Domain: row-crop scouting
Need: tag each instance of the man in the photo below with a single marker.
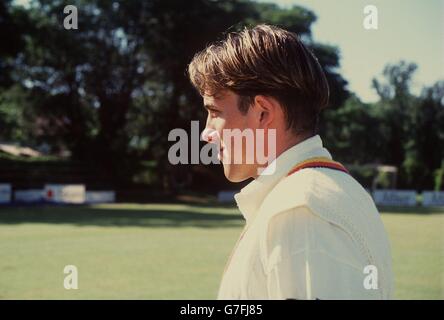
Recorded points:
(312, 231)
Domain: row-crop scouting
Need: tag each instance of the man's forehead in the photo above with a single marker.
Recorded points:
(208, 99)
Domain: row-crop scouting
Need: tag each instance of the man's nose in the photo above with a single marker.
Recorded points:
(210, 135)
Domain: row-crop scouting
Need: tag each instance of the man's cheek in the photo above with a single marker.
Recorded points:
(219, 125)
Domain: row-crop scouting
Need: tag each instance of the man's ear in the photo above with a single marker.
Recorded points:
(265, 108)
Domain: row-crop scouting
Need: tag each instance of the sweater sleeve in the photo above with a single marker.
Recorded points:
(310, 258)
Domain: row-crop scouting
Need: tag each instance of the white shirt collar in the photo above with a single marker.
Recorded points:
(250, 198)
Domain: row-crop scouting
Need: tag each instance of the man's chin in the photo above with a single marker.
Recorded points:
(235, 173)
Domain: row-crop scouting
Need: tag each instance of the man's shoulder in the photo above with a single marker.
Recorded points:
(334, 197)
(315, 186)
(331, 195)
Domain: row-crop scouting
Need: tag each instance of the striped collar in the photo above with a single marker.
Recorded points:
(318, 162)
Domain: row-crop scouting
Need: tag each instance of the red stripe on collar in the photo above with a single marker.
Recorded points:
(318, 163)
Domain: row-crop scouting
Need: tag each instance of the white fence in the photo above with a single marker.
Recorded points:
(5, 193)
(226, 196)
(395, 197)
(100, 197)
(56, 193)
(433, 198)
(386, 197)
(29, 196)
(64, 193)
(77, 194)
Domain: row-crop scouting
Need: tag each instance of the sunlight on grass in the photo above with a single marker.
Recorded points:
(169, 251)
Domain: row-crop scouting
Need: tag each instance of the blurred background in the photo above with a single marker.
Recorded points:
(94, 106)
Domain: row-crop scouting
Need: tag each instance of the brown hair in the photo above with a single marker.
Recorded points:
(264, 60)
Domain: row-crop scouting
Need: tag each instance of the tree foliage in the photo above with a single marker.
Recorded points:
(110, 91)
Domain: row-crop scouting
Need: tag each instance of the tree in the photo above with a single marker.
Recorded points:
(425, 147)
(12, 29)
(111, 90)
(355, 133)
(412, 125)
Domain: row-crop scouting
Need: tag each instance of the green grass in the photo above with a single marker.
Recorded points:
(171, 251)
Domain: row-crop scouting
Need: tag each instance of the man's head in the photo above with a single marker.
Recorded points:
(260, 78)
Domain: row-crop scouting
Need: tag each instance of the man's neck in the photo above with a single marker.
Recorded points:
(282, 145)
(291, 141)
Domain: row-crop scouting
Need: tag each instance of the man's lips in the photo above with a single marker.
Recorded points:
(221, 153)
